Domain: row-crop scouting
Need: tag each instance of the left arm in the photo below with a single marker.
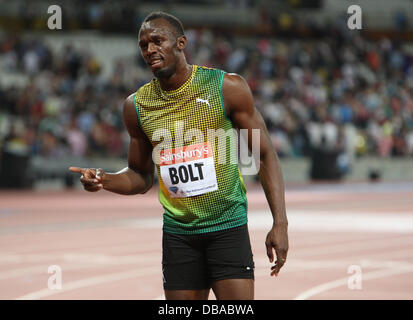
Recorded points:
(240, 108)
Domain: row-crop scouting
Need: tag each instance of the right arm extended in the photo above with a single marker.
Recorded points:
(137, 177)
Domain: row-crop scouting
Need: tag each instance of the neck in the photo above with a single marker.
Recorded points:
(181, 75)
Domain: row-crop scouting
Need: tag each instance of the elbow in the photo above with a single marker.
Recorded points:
(146, 189)
(140, 182)
(148, 184)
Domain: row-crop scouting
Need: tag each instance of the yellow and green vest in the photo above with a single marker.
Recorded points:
(199, 194)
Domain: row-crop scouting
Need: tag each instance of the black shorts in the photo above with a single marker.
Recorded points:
(192, 262)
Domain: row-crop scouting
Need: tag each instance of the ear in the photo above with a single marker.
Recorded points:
(181, 43)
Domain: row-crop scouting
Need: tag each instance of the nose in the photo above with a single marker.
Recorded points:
(151, 48)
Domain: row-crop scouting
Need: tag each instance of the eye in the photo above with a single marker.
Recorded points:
(158, 41)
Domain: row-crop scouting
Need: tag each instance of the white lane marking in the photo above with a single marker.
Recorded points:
(349, 221)
(353, 248)
(301, 220)
(88, 282)
(403, 253)
(343, 281)
(307, 220)
(21, 272)
(104, 259)
(337, 264)
(296, 265)
(74, 261)
(117, 249)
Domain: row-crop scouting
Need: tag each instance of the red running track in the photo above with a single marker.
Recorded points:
(349, 241)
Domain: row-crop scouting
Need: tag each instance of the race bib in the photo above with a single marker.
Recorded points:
(188, 171)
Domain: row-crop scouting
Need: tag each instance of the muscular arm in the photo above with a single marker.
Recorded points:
(240, 108)
(137, 177)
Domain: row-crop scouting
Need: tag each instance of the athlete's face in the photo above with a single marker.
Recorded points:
(160, 47)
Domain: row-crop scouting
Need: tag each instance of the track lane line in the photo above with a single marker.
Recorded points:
(88, 282)
(343, 281)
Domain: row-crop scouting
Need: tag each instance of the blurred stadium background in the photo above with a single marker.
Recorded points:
(341, 97)
(338, 103)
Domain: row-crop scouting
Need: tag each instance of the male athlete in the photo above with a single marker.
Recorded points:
(205, 237)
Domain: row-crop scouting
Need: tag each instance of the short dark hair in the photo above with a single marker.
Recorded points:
(174, 21)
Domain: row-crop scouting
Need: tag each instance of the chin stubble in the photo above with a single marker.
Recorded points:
(165, 73)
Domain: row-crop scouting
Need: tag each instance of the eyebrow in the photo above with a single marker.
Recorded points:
(154, 36)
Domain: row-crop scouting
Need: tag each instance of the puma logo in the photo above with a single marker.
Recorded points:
(204, 101)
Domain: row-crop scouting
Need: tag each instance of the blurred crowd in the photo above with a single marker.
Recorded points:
(66, 108)
(340, 92)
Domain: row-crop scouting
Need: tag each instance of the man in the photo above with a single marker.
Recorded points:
(205, 236)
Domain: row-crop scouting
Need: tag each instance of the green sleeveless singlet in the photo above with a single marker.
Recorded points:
(199, 192)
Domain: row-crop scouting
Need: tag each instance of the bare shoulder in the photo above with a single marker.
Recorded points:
(130, 116)
(233, 81)
(236, 94)
(129, 105)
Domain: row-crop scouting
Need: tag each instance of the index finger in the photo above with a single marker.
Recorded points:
(77, 169)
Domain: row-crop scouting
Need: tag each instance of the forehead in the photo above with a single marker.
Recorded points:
(156, 27)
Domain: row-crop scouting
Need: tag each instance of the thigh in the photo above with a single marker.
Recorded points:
(187, 294)
(183, 266)
(230, 264)
(234, 289)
